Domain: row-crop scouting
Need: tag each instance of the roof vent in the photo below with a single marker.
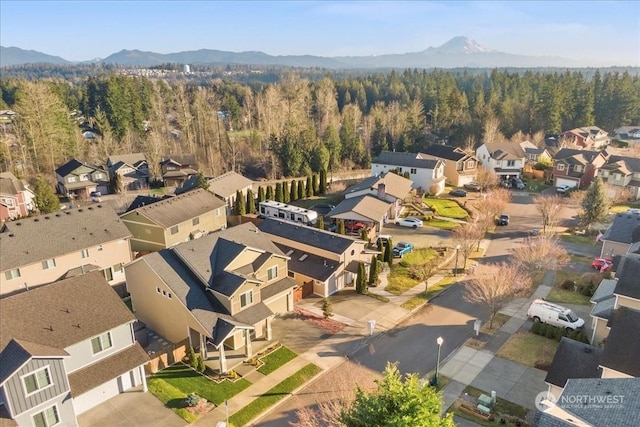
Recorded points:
(303, 257)
(11, 235)
(58, 215)
(18, 223)
(47, 217)
(79, 210)
(90, 208)
(99, 206)
(67, 212)
(36, 219)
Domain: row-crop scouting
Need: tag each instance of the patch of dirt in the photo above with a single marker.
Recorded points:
(201, 408)
(329, 325)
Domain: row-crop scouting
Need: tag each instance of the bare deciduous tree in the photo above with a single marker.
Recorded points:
(540, 254)
(549, 207)
(491, 130)
(494, 285)
(467, 237)
(490, 206)
(486, 178)
(617, 194)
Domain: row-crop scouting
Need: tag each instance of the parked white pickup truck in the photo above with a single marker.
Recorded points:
(562, 189)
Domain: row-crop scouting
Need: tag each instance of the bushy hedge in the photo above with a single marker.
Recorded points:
(553, 332)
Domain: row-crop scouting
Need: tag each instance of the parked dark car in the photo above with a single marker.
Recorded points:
(473, 186)
(458, 193)
(504, 219)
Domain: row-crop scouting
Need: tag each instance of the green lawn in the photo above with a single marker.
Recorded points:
(271, 397)
(583, 240)
(276, 359)
(434, 290)
(563, 296)
(307, 203)
(185, 379)
(441, 223)
(171, 397)
(527, 348)
(399, 278)
(447, 208)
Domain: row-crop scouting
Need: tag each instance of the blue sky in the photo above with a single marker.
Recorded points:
(82, 30)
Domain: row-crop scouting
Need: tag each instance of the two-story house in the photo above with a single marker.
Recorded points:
(176, 169)
(133, 170)
(426, 174)
(622, 172)
(576, 168)
(460, 168)
(79, 179)
(65, 348)
(506, 159)
(628, 132)
(588, 137)
(389, 187)
(222, 290)
(173, 220)
(45, 248)
(321, 262)
(623, 232)
(225, 186)
(16, 199)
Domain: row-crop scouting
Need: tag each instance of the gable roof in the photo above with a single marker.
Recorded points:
(9, 184)
(630, 163)
(505, 150)
(141, 201)
(367, 206)
(74, 164)
(410, 160)
(180, 159)
(394, 185)
(63, 313)
(623, 343)
(130, 159)
(627, 273)
(622, 227)
(227, 184)
(574, 359)
(175, 210)
(66, 231)
(445, 152)
(583, 157)
(311, 236)
(18, 352)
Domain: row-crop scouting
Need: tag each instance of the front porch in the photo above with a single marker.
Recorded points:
(235, 359)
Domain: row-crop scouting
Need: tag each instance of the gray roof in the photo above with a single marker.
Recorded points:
(622, 228)
(17, 352)
(66, 231)
(367, 206)
(505, 150)
(254, 314)
(410, 160)
(393, 184)
(9, 184)
(316, 267)
(574, 359)
(628, 273)
(325, 240)
(604, 290)
(74, 164)
(62, 313)
(277, 287)
(141, 201)
(180, 159)
(175, 210)
(130, 159)
(585, 156)
(446, 152)
(227, 184)
(622, 350)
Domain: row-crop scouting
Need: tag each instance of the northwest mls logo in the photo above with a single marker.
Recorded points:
(544, 400)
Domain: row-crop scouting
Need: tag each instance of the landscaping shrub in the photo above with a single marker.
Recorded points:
(558, 333)
(200, 366)
(191, 400)
(536, 328)
(549, 331)
(552, 332)
(568, 285)
(588, 290)
(193, 361)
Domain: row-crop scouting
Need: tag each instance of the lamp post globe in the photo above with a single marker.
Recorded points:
(439, 341)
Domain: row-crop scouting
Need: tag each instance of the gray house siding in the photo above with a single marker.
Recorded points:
(82, 352)
(64, 407)
(15, 390)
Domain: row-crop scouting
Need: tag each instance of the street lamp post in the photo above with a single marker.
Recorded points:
(435, 377)
(455, 274)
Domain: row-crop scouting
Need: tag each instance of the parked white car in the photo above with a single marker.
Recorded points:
(409, 222)
(562, 189)
(554, 314)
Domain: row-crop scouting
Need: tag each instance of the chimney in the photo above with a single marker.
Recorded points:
(381, 191)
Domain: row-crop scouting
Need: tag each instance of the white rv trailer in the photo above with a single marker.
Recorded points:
(272, 209)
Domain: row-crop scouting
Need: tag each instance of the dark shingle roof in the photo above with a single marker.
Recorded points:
(182, 159)
(445, 152)
(586, 156)
(632, 163)
(316, 267)
(141, 201)
(178, 209)
(129, 159)
(254, 314)
(65, 231)
(108, 368)
(321, 239)
(628, 273)
(622, 350)
(277, 287)
(622, 228)
(409, 160)
(62, 313)
(69, 167)
(574, 359)
(9, 184)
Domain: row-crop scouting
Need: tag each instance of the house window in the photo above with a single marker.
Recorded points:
(108, 274)
(577, 168)
(471, 164)
(616, 177)
(37, 380)
(218, 211)
(71, 179)
(47, 418)
(101, 343)
(272, 272)
(560, 166)
(99, 176)
(84, 177)
(157, 290)
(414, 171)
(12, 274)
(8, 202)
(99, 248)
(246, 299)
(174, 230)
(195, 221)
(50, 263)
(117, 268)
(511, 163)
(85, 253)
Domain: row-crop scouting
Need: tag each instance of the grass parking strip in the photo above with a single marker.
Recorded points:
(274, 395)
(276, 359)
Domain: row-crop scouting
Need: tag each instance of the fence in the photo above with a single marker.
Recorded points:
(162, 359)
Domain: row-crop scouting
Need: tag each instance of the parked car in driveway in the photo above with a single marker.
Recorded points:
(518, 184)
(602, 264)
(554, 314)
(354, 226)
(409, 222)
(503, 219)
(401, 249)
(473, 186)
(562, 189)
(458, 193)
(96, 196)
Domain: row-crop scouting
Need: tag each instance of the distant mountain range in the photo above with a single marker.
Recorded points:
(456, 53)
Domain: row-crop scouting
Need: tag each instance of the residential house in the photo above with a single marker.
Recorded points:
(621, 354)
(426, 174)
(460, 168)
(77, 179)
(534, 154)
(621, 234)
(389, 187)
(588, 137)
(177, 169)
(174, 220)
(576, 168)
(141, 201)
(45, 248)
(573, 359)
(627, 133)
(622, 173)
(367, 209)
(321, 262)
(65, 348)
(16, 199)
(224, 186)
(133, 170)
(222, 290)
(507, 159)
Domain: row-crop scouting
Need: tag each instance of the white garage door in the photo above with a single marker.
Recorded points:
(563, 181)
(96, 396)
(279, 305)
